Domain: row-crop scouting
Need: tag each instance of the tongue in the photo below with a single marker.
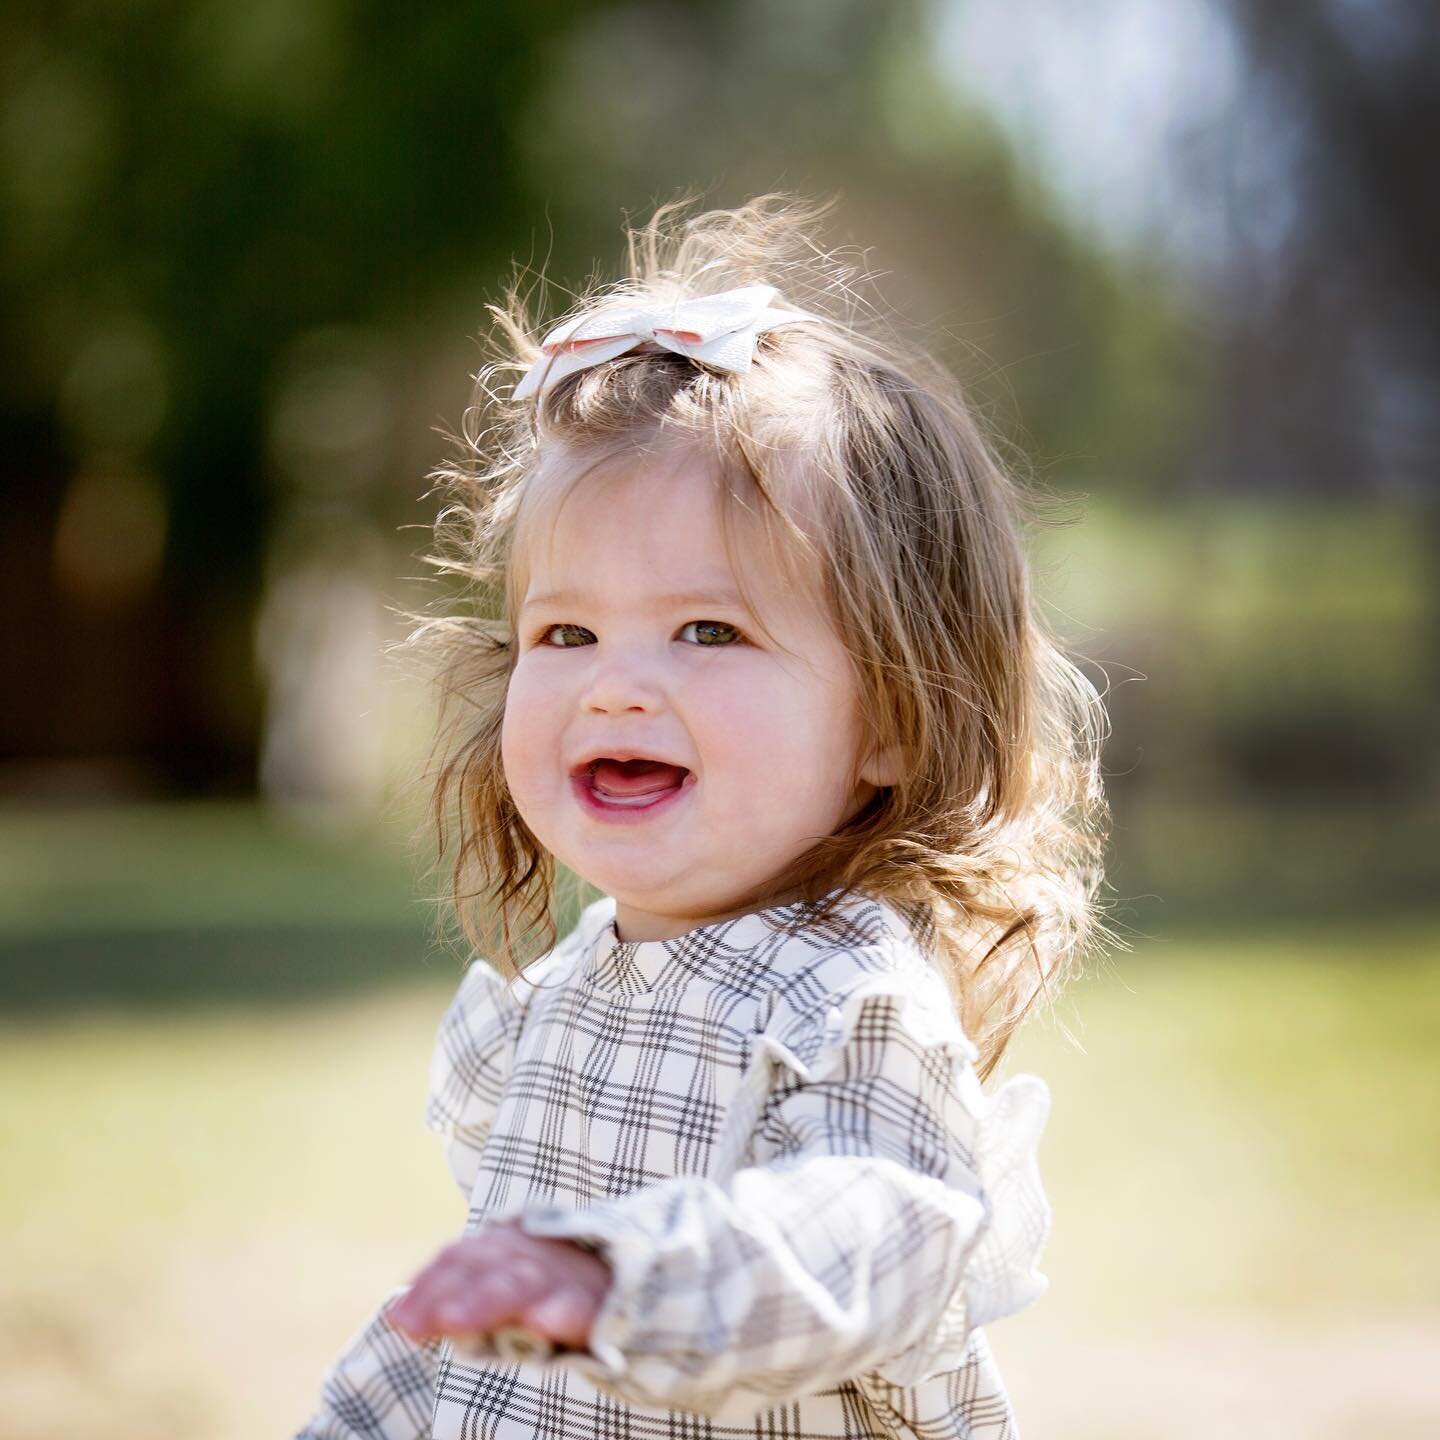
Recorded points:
(634, 779)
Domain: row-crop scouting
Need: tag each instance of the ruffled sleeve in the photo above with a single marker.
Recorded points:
(472, 1058)
(976, 1145)
(885, 1208)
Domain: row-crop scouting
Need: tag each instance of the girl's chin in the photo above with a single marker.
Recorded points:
(652, 899)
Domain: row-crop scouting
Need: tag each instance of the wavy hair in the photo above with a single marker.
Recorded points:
(868, 462)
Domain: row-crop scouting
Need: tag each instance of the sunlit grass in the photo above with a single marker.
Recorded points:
(200, 1206)
(1253, 1121)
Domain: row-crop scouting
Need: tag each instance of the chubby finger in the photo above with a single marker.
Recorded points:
(413, 1313)
(500, 1277)
(434, 1274)
(479, 1302)
(564, 1315)
(471, 1294)
(417, 1311)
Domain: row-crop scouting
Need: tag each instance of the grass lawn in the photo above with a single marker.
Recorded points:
(201, 1199)
(200, 1205)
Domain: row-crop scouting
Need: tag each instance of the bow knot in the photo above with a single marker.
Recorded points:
(714, 330)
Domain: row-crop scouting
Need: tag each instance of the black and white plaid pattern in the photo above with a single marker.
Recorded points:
(773, 1129)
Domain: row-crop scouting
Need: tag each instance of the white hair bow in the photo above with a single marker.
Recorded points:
(717, 330)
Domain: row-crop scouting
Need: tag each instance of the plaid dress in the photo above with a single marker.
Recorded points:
(773, 1130)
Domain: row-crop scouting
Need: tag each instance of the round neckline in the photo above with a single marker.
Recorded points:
(706, 953)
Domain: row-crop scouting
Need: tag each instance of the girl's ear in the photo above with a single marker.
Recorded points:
(883, 767)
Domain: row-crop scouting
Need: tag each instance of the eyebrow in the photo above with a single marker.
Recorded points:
(675, 600)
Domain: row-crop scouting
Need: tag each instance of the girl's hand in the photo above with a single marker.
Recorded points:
(503, 1276)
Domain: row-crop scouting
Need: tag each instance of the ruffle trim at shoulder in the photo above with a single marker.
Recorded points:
(475, 1047)
(1002, 1275)
(813, 1042)
(473, 1053)
(995, 1135)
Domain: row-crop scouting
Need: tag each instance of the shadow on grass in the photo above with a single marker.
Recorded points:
(224, 965)
(191, 904)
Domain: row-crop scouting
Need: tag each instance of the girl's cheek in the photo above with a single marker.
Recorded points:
(531, 734)
(514, 749)
(748, 706)
(520, 695)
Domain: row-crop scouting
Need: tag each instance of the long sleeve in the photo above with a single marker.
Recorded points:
(884, 1210)
(383, 1385)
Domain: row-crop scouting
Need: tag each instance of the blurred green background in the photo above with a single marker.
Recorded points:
(1184, 256)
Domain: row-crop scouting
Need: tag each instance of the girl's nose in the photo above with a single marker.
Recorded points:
(621, 682)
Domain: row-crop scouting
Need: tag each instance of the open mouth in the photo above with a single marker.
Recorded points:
(613, 785)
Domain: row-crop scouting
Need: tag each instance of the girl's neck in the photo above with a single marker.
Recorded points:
(634, 926)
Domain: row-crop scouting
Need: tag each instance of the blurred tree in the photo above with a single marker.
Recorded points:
(222, 222)
(847, 96)
(1332, 359)
(1331, 366)
(186, 189)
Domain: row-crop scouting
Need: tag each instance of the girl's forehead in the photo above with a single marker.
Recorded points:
(668, 519)
(666, 537)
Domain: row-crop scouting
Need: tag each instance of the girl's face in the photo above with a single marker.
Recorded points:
(658, 739)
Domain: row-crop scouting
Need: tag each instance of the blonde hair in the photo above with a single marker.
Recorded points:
(990, 841)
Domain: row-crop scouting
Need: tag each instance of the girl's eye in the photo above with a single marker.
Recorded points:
(710, 632)
(566, 636)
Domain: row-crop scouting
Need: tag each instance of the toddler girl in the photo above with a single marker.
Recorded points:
(763, 668)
